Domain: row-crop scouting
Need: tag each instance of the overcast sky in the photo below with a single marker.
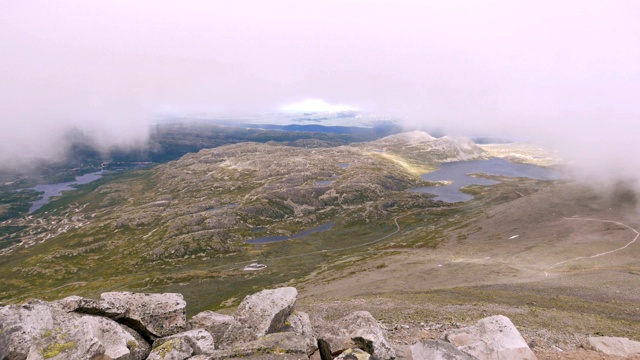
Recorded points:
(566, 73)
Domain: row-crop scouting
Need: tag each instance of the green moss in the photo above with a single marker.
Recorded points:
(132, 344)
(55, 349)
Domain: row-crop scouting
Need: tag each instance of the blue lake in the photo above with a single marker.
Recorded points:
(458, 173)
(274, 238)
(51, 190)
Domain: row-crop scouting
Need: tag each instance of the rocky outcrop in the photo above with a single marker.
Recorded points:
(42, 330)
(130, 326)
(491, 338)
(615, 346)
(152, 315)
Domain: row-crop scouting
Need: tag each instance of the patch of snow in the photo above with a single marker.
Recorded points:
(254, 267)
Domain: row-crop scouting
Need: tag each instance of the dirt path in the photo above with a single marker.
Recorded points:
(546, 274)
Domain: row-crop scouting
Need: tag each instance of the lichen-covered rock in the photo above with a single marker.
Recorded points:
(41, 330)
(359, 330)
(216, 324)
(282, 343)
(263, 357)
(437, 350)
(199, 340)
(152, 315)
(354, 354)
(260, 314)
(491, 338)
(615, 346)
(299, 323)
(199, 357)
(172, 349)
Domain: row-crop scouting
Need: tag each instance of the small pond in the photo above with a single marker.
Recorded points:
(228, 206)
(301, 234)
(51, 190)
(458, 174)
(324, 182)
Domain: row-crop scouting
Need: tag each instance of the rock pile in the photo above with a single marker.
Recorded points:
(130, 326)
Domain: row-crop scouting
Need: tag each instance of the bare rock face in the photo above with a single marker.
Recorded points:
(491, 338)
(261, 313)
(437, 350)
(216, 324)
(41, 330)
(359, 330)
(615, 346)
(152, 315)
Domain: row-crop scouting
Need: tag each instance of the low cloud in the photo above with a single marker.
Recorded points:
(565, 74)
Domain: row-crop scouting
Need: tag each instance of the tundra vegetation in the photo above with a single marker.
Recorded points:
(182, 226)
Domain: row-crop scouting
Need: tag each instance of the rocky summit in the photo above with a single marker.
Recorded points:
(266, 325)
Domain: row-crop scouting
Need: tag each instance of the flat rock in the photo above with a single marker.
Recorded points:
(494, 337)
(216, 324)
(437, 350)
(41, 330)
(616, 346)
(260, 314)
(152, 315)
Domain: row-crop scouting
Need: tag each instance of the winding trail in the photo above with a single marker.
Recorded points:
(546, 274)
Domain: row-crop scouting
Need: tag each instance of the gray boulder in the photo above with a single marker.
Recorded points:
(199, 340)
(260, 314)
(152, 315)
(437, 350)
(216, 324)
(173, 349)
(492, 338)
(299, 323)
(40, 330)
(358, 330)
(615, 346)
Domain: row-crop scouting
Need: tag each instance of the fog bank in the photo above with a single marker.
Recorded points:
(565, 74)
